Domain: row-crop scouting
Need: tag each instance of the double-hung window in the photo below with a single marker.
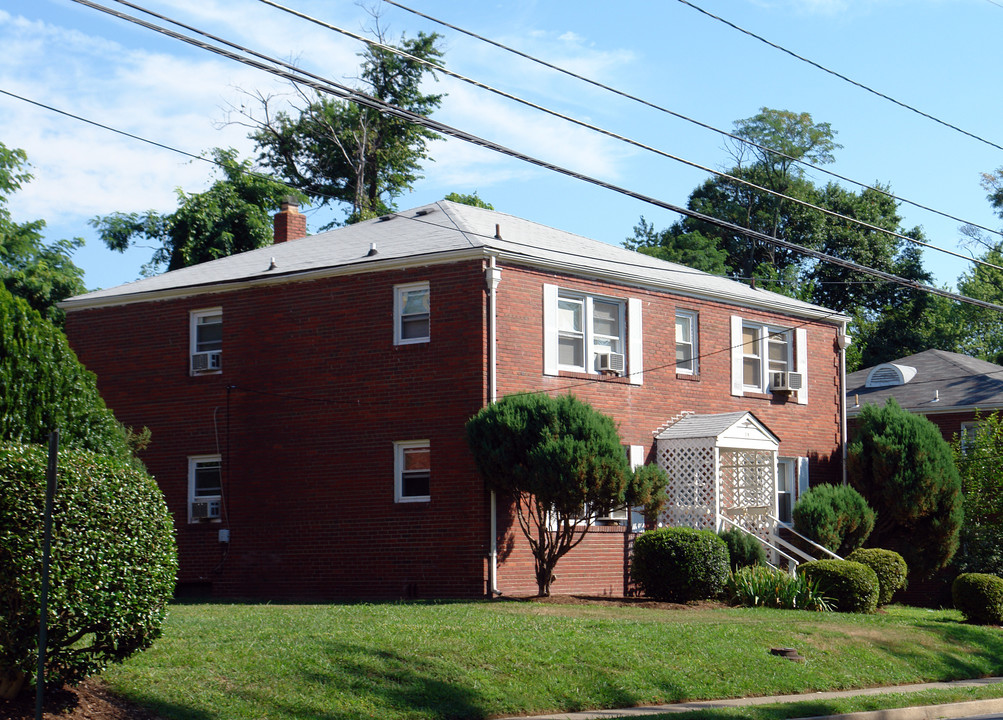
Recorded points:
(686, 342)
(205, 488)
(206, 341)
(591, 334)
(411, 313)
(412, 471)
(760, 350)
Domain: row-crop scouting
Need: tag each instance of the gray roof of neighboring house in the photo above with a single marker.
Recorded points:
(442, 232)
(942, 381)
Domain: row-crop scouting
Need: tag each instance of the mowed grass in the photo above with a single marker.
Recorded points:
(484, 659)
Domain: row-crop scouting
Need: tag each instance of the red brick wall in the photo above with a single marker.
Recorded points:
(810, 430)
(312, 395)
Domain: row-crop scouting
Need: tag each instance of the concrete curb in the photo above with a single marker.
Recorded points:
(922, 712)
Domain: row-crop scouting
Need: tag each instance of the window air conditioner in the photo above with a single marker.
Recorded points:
(613, 362)
(205, 509)
(615, 515)
(207, 361)
(786, 381)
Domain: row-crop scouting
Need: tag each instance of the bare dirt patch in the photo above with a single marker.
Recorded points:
(88, 701)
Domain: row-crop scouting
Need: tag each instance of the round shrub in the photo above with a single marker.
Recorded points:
(744, 550)
(979, 597)
(680, 564)
(888, 565)
(835, 516)
(851, 586)
(113, 562)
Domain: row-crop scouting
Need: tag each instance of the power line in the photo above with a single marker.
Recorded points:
(773, 152)
(616, 136)
(356, 96)
(821, 67)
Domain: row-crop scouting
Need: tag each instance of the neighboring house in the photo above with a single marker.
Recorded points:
(307, 400)
(949, 389)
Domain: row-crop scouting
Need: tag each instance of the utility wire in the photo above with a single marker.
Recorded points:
(745, 141)
(354, 95)
(860, 85)
(567, 118)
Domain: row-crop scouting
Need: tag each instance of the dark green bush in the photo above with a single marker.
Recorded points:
(888, 565)
(112, 569)
(744, 550)
(680, 564)
(979, 597)
(851, 586)
(835, 516)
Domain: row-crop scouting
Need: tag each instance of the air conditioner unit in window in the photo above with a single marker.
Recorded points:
(786, 381)
(207, 509)
(612, 362)
(207, 361)
(615, 515)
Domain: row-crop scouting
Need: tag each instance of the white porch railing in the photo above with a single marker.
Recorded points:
(778, 545)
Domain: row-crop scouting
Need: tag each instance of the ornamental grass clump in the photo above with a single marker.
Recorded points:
(888, 565)
(852, 586)
(979, 597)
(763, 586)
(680, 564)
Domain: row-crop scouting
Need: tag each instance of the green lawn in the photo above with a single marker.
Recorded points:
(480, 659)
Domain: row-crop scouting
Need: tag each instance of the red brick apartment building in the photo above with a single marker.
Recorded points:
(307, 400)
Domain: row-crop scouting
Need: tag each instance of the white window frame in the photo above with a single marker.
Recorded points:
(400, 294)
(796, 361)
(194, 461)
(968, 434)
(788, 466)
(196, 320)
(628, 342)
(688, 319)
(400, 449)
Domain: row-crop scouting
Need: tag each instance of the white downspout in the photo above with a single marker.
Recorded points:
(843, 341)
(493, 278)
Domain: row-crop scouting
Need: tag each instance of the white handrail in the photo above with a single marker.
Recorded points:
(811, 542)
(764, 542)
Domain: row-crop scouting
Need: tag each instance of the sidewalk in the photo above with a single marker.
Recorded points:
(923, 712)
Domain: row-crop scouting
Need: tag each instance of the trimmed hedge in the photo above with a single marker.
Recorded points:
(979, 597)
(743, 549)
(835, 516)
(113, 562)
(852, 586)
(680, 564)
(888, 565)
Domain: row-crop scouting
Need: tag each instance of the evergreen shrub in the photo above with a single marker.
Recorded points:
(979, 597)
(113, 562)
(851, 586)
(680, 564)
(743, 549)
(835, 516)
(888, 565)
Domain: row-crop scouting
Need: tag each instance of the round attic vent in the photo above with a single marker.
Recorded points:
(889, 374)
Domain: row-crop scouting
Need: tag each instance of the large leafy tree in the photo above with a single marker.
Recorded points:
(338, 151)
(692, 249)
(979, 457)
(563, 464)
(905, 470)
(43, 274)
(233, 215)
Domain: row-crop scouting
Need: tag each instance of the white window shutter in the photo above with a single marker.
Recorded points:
(549, 329)
(736, 356)
(635, 364)
(801, 362)
(802, 476)
(637, 453)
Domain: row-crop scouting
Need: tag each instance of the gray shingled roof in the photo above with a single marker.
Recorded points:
(957, 381)
(443, 232)
(696, 427)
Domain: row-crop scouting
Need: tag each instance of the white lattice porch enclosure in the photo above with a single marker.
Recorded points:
(720, 466)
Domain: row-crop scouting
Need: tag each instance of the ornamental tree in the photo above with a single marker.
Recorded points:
(563, 463)
(979, 457)
(904, 468)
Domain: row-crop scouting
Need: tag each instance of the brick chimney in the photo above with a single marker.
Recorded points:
(289, 223)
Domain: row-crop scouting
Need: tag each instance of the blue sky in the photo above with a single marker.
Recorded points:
(939, 56)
